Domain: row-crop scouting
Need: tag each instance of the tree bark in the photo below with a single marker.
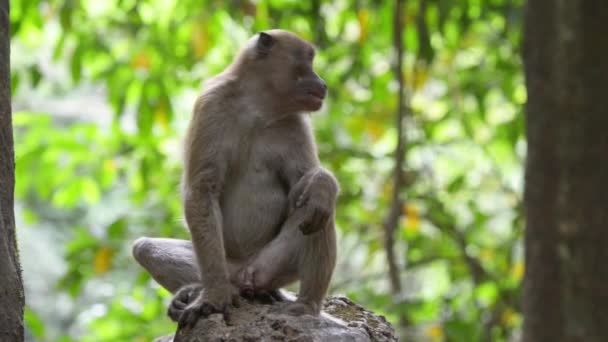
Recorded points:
(11, 286)
(565, 292)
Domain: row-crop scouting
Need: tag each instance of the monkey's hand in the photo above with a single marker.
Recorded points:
(208, 302)
(182, 298)
(314, 215)
(314, 198)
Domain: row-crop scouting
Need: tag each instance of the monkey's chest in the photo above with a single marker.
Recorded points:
(254, 206)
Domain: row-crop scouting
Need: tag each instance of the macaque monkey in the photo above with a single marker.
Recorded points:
(258, 204)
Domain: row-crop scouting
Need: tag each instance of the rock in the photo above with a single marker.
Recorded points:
(341, 320)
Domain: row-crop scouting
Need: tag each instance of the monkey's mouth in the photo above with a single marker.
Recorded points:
(317, 93)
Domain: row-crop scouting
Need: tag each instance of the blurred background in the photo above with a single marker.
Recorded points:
(429, 218)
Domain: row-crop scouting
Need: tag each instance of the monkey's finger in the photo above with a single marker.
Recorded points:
(322, 218)
(174, 313)
(318, 219)
(180, 297)
(190, 295)
(310, 223)
(192, 314)
(187, 320)
(302, 199)
(324, 222)
(179, 304)
(304, 226)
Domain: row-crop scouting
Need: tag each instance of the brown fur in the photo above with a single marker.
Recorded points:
(259, 206)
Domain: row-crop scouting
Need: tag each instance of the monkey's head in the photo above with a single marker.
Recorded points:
(283, 62)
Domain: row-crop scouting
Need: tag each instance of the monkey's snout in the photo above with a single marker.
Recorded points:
(319, 91)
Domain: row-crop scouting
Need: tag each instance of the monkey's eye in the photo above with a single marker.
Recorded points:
(311, 55)
(301, 70)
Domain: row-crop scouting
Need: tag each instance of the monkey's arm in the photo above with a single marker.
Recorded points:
(204, 173)
(313, 197)
(204, 219)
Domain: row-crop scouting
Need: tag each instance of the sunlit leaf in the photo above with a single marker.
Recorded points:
(517, 271)
(511, 318)
(363, 19)
(200, 38)
(34, 323)
(140, 61)
(90, 191)
(76, 63)
(434, 332)
(412, 218)
(103, 260)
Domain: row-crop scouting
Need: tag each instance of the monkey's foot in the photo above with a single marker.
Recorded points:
(182, 298)
(195, 311)
(204, 305)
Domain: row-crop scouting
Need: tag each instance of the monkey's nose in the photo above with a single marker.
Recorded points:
(318, 92)
(323, 85)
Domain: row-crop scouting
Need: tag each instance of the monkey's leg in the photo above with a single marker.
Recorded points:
(171, 262)
(315, 268)
(291, 256)
(313, 213)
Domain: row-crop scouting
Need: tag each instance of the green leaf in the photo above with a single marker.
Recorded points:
(34, 323)
(76, 63)
(35, 75)
(456, 184)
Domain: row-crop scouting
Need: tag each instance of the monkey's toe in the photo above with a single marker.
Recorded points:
(177, 308)
(175, 312)
(184, 296)
(193, 313)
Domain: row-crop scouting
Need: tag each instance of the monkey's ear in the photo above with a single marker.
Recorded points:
(265, 42)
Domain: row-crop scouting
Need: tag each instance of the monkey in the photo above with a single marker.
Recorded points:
(259, 206)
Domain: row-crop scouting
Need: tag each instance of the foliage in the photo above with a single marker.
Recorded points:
(101, 182)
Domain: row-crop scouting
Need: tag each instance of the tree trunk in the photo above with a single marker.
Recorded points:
(565, 288)
(11, 286)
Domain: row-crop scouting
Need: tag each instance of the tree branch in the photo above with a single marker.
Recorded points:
(392, 221)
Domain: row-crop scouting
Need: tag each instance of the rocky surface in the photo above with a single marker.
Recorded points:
(341, 320)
